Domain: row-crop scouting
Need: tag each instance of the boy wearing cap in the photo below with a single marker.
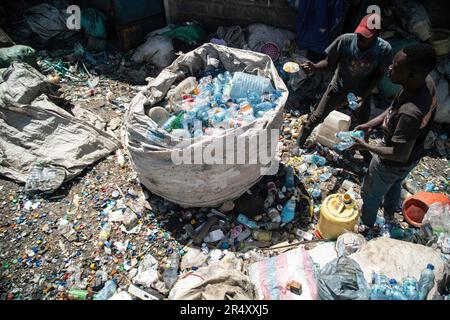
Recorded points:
(360, 59)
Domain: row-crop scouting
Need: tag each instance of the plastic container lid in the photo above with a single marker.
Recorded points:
(271, 49)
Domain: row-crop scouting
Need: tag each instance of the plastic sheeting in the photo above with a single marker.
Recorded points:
(190, 184)
(37, 134)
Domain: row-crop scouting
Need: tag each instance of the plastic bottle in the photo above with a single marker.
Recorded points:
(171, 273)
(379, 287)
(242, 219)
(243, 83)
(262, 108)
(254, 98)
(271, 194)
(410, 288)
(287, 215)
(385, 231)
(120, 158)
(341, 146)
(289, 183)
(198, 130)
(325, 176)
(107, 291)
(352, 101)
(105, 232)
(426, 282)
(174, 122)
(316, 192)
(348, 135)
(395, 292)
(315, 159)
(262, 235)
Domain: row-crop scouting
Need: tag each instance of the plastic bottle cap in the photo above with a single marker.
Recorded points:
(430, 266)
(347, 198)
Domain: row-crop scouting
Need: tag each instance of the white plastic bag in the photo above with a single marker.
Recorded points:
(438, 216)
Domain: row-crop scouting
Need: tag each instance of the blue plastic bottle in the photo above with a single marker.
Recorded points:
(288, 213)
(262, 108)
(426, 282)
(347, 135)
(242, 219)
(410, 288)
(289, 183)
(341, 146)
(352, 103)
(395, 292)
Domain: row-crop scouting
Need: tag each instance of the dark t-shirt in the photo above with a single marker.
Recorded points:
(354, 68)
(410, 118)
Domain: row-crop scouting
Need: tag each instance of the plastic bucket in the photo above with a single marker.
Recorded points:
(416, 206)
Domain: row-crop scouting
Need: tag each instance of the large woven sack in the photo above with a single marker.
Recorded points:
(191, 184)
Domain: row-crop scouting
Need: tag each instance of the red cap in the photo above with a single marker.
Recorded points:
(368, 28)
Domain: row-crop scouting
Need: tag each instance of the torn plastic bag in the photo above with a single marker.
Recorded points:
(157, 50)
(41, 143)
(343, 279)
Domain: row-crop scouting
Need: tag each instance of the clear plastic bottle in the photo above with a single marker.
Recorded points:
(262, 108)
(426, 282)
(348, 135)
(271, 194)
(409, 285)
(385, 231)
(171, 273)
(288, 213)
(242, 219)
(198, 130)
(107, 291)
(395, 292)
(341, 146)
(379, 290)
(352, 101)
(254, 98)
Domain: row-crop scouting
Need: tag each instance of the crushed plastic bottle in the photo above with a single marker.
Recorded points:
(348, 135)
(352, 101)
(105, 232)
(410, 287)
(271, 194)
(107, 291)
(341, 146)
(288, 213)
(426, 282)
(171, 272)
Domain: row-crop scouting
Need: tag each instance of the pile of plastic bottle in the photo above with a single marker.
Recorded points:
(213, 104)
(384, 288)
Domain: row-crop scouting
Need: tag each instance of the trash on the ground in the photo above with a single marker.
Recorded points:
(342, 279)
(59, 139)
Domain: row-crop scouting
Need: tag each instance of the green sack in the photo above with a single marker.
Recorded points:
(17, 53)
(93, 23)
(190, 34)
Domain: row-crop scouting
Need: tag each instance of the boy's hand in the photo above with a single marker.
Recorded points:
(359, 144)
(309, 67)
